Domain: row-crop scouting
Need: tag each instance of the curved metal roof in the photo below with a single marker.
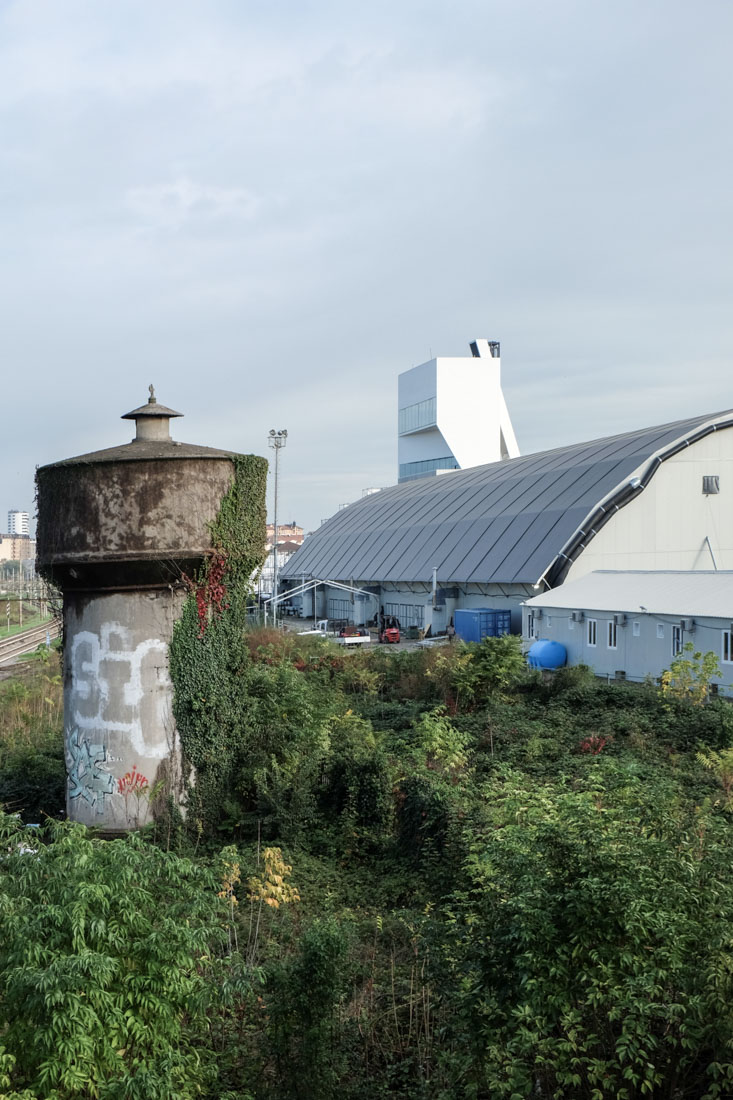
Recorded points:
(508, 522)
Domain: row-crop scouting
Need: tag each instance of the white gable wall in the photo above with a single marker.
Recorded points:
(666, 525)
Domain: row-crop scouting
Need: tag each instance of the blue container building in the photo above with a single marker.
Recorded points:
(475, 623)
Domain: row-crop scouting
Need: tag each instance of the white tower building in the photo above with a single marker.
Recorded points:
(18, 522)
(452, 414)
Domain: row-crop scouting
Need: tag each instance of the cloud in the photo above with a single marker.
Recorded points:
(271, 210)
(170, 206)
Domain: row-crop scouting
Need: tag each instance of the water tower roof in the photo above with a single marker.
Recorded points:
(151, 408)
(151, 443)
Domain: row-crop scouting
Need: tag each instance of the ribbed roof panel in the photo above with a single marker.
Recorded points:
(505, 522)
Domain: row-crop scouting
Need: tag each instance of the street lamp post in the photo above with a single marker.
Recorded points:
(277, 441)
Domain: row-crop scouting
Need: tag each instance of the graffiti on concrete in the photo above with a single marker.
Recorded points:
(88, 779)
(118, 687)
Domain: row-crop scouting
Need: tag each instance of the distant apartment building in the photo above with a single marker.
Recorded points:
(285, 550)
(18, 522)
(452, 414)
(286, 532)
(17, 548)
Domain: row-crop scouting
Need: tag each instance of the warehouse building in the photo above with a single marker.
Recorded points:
(632, 625)
(496, 535)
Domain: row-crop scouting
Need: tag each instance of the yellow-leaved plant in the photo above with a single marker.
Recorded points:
(689, 676)
(268, 887)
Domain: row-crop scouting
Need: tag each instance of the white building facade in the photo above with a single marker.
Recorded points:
(18, 522)
(452, 414)
(630, 625)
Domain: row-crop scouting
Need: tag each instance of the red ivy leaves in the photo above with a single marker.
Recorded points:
(593, 744)
(210, 593)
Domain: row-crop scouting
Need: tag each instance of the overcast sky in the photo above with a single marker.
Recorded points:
(270, 210)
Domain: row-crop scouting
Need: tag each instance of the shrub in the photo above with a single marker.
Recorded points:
(356, 782)
(104, 950)
(588, 960)
(32, 772)
(304, 994)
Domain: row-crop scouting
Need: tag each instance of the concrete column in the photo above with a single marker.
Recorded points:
(120, 735)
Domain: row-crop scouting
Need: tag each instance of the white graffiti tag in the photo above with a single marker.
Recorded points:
(87, 778)
(120, 688)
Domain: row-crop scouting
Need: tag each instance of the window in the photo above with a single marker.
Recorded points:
(676, 640)
(571, 623)
(612, 635)
(548, 621)
(660, 630)
(412, 418)
(592, 632)
(710, 484)
(636, 628)
(426, 466)
(727, 653)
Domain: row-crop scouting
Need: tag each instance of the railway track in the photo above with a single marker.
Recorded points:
(28, 640)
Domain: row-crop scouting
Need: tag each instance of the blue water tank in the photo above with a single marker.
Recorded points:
(546, 654)
(474, 623)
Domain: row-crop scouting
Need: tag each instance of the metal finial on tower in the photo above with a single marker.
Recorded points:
(151, 399)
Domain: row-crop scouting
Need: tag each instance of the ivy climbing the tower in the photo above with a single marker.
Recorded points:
(208, 655)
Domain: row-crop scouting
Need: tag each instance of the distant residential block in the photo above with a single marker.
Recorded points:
(18, 522)
(17, 547)
(286, 532)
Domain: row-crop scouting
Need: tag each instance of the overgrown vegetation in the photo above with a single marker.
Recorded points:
(32, 772)
(427, 874)
(208, 649)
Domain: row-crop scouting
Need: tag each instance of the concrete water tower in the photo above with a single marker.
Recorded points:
(117, 529)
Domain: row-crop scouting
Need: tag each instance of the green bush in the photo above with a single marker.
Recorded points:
(303, 998)
(104, 951)
(33, 783)
(586, 958)
(32, 771)
(356, 784)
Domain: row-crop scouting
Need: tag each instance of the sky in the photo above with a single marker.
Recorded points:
(269, 211)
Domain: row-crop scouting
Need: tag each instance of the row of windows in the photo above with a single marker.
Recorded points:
(426, 466)
(591, 636)
(612, 635)
(421, 415)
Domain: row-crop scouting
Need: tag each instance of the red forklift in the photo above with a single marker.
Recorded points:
(389, 630)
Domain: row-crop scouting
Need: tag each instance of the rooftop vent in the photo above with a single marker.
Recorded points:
(494, 348)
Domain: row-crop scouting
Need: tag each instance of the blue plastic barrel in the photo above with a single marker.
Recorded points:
(546, 654)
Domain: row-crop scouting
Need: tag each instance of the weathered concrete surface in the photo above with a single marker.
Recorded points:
(119, 530)
(100, 514)
(118, 714)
